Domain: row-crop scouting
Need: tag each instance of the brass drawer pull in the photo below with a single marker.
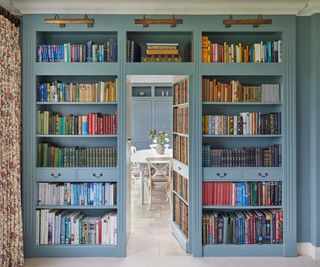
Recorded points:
(55, 176)
(221, 175)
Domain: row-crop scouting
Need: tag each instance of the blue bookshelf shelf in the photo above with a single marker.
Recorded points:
(77, 207)
(77, 103)
(77, 68)
(242, 103)
(78, 136)
(242, 136)
(244, 69)
(241, 207)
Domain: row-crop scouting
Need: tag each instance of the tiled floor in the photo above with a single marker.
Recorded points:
(150, 229)
(152, 244)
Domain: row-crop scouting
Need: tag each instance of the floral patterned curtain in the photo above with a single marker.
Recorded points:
(11, 239)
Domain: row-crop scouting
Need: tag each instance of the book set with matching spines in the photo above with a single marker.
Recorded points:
(82, 194)
(181, 185)
(89, 52)
(180, 148)
(246, 123)
(234, 91)
(242, 227)
(181, 92)
(92, 124)
(259, 52)
(78, 92)
(242, 157)
(67, 227)
(180, 214)
(242, 193)
(49, 155)
(181, 120)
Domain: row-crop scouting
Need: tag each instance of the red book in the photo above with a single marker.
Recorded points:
(89, 124)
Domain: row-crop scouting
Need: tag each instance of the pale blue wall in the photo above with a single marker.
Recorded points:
(308, 132)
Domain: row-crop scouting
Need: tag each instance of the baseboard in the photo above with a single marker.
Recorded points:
(308, 249)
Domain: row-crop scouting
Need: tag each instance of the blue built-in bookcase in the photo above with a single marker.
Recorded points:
(122, 28)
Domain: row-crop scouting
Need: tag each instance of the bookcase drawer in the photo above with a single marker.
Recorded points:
(263, 174)
(98, 174)
(56, 174)
(180, 168)
(221, 174)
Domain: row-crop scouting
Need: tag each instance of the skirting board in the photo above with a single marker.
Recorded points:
(307, 249)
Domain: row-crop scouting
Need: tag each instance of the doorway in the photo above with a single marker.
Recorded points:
(150, 108)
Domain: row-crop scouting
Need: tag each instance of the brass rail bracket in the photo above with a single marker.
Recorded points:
(173, 22)
(254, 22)
(62, 22)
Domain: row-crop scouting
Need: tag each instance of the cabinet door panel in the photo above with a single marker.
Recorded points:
(163, 115)
(141, 122)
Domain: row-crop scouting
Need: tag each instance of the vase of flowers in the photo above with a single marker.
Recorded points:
(159, 139)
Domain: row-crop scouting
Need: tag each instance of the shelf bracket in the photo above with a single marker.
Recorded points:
(254, 22)
(62, 22)
(173, 22)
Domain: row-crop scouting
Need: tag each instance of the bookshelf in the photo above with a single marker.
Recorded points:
(121, 28)
(78, 164)
(229, 89)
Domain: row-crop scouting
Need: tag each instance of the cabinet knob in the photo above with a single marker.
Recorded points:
(221, 175)
(263, 175)
(55, 176)
(97, 176)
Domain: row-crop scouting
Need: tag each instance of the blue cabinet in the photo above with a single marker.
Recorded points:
(150, 110)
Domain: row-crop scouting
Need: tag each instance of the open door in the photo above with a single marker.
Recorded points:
(180, 218)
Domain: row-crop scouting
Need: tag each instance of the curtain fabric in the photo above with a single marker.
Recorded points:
(11, 238)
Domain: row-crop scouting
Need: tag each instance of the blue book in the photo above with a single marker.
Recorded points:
(114, 51)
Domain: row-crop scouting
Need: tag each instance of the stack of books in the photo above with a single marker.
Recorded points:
(162, 52)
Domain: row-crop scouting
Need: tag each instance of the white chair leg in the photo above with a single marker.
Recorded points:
(150, 196)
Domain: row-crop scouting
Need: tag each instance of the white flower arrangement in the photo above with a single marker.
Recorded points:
(160, 137)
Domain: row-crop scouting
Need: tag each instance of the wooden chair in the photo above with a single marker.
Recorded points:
(159, 169)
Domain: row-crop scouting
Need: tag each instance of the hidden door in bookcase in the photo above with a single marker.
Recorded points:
(181, 218)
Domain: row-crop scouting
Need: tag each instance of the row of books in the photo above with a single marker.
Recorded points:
(181, 185)
(243, 227)
(242, 193)
(87, 194)
(246, 123)
(181, 214)
(89, 52)
(133, 51)
(242, 157)
(78, 92)
(181, 120)
(270, 51)
(92, 124)
(181, 92)
(234, 91)
(162, 58)
(55, 227)
(180, 148)
(49, 155)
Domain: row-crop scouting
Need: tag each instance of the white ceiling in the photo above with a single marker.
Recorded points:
(296, 7)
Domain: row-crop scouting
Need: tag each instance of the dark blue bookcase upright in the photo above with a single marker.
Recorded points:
(122, 28)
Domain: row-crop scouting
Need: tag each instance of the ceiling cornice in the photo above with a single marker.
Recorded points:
(201, 7)
(8, 5)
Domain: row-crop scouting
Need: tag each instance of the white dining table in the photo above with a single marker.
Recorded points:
(140, 158)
